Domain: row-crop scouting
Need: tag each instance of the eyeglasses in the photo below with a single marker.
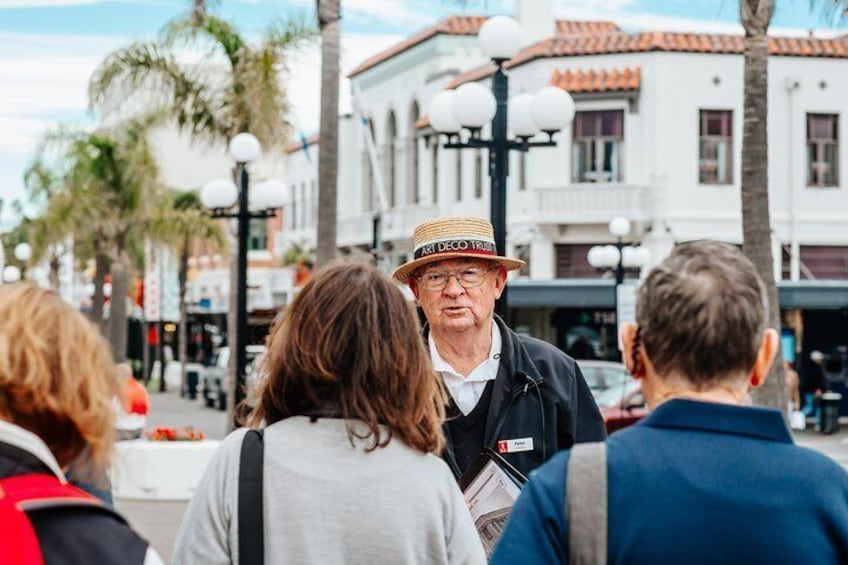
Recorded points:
(468, 277)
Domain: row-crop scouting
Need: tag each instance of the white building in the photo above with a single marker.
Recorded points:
(657, 138)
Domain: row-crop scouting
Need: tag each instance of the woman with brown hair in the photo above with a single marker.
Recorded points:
(351, 414)
(57, 384)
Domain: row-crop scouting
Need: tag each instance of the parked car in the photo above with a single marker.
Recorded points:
(215, 385)
(622, 405)
(601, 375)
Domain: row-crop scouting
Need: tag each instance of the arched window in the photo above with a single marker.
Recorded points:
(391, 158)
(414, 188)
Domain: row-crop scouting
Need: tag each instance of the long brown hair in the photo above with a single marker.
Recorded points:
(57, 377)
(350, 345)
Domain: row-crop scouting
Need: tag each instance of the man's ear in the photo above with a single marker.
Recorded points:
(500, 281)
(765, 357)
(413, 286)
(628, 344)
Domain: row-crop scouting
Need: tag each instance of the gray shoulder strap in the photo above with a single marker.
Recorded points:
(586, 504)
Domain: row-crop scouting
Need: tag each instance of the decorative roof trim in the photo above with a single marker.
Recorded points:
(671, 42)
(598, 80)
(470, 25)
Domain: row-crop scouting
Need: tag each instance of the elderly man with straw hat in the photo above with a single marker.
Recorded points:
(520, 396)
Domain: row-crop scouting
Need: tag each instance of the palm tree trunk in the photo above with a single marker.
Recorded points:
(118, 309)
(756, 223)
(328, 157)
(183, 337)
(101, 264)
(54, 272)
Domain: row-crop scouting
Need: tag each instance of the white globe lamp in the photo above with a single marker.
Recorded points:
(245, 148)
(501, 37)
(553, 109)
(219, 193)
(474, 105)
(11, 274)
(520, 116)
(440, 113)
(268, 194)
(23, 252)
(619, 226)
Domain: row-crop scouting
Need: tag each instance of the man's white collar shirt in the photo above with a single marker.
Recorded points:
(466, 391)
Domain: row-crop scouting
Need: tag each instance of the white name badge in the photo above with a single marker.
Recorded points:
(515, 445)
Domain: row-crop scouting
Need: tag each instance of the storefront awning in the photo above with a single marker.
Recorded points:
(585, 293)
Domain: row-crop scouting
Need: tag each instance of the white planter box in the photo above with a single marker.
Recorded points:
(159, 470)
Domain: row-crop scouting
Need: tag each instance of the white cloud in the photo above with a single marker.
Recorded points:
(304, 86)
(397, 13)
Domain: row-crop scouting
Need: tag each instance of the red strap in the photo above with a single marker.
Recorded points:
(37, 490)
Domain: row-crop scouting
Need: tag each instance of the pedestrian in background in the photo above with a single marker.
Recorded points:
(351, 414)
(510, 392)
(702, 479)
(814, 385)
(57, 382)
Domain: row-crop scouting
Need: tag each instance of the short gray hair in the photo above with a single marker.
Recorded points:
(702, 312)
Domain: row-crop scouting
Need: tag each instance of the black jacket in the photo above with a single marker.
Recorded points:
(539, 393)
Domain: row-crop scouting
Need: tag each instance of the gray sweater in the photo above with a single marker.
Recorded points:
(329, 502)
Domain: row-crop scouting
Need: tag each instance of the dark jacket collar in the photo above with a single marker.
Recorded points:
(516, 373)
(752, 421)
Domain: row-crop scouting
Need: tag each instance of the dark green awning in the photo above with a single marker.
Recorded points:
(599, 293)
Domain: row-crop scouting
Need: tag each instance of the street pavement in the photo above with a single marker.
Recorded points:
(158, 522)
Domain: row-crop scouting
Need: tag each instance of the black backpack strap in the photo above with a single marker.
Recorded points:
(251, 542)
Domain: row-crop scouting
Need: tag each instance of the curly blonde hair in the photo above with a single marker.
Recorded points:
(57, 377)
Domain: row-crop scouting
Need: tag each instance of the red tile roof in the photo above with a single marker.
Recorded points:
(470, 25)
(617, 42)
(598, 80)
(295, 146)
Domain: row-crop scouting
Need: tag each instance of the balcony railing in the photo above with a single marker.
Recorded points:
(591, 203)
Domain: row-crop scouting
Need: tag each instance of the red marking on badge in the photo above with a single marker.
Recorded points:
(503, 446)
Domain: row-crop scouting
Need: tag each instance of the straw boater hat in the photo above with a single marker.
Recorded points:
(450, 238)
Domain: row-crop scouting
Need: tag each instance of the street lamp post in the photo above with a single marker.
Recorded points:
(619, 258)
(471, 106)
(220, 196)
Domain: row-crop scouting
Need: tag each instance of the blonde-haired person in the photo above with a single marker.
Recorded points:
(57, 381)
(352, 414)
(704, 478)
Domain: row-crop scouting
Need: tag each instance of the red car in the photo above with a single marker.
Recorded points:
(622, 405)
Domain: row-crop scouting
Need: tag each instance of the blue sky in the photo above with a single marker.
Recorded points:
(48, 48)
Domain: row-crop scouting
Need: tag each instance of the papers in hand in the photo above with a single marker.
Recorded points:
(490, 495)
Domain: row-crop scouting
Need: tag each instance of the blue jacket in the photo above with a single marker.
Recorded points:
(697, 482)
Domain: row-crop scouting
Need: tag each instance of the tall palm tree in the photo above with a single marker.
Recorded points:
(109, 186)
(179, 224)
(50, 231)
(329, 14)
(211, 107)
(755, 17)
